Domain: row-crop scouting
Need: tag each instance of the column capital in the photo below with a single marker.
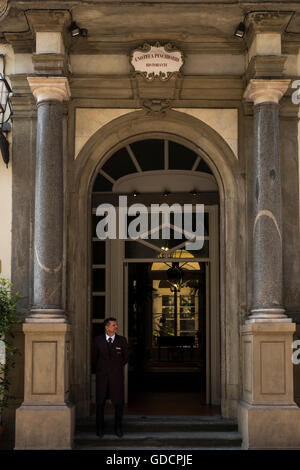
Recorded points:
(268, 21)
(48, 20)
(260, 90)
(50, 88)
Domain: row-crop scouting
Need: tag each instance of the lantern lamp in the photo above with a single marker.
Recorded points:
(175, 276)
(5, 114)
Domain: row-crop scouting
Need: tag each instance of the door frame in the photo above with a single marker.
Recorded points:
(228, 170)
(213, 372)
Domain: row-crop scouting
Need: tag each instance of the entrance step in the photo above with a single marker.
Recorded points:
(163, 432)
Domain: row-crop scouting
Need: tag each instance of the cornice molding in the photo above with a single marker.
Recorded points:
(265, 67)
(23, 107)
(50, 64)
(22, 43)
(125, 44)
(290, 43)
(20, 85)
(125, 87)
(25, 43)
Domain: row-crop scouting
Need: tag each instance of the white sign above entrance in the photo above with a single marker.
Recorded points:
(157, 61)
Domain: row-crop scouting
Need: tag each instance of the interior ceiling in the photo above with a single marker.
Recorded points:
(217, 18)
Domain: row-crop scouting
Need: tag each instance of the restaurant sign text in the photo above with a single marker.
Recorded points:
(157, 61)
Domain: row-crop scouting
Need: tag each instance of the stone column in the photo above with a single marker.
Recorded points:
(267, 233)
(267, 414)
(45, 419)
(48, 226)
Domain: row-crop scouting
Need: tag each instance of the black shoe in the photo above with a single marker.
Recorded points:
(100, 432)
(118, 431)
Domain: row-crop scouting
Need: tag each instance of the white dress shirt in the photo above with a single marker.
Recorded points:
(112, 337)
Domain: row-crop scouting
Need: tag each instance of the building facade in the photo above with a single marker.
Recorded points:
(223, 131)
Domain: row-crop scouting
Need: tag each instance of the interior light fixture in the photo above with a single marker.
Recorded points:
(175, 276)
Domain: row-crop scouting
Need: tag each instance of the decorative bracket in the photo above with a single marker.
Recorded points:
(156, 107)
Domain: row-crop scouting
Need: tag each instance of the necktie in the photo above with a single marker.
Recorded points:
(109, 345)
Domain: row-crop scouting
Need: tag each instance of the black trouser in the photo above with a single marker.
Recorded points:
(100, 416)
(100, 413)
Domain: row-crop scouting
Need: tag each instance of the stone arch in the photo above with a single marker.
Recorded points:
(225, 166)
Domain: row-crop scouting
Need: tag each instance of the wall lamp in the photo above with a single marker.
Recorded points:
(240, 30)
(76, 31)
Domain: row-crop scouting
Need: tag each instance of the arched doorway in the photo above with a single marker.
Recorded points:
(173, 330)
(225, 167)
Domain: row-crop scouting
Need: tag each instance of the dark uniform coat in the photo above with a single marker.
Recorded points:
(110, 370)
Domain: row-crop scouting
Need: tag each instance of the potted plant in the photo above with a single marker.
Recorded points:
(8, 319)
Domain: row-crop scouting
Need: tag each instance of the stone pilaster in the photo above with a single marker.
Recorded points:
(267, 414)
(268, 417)
(46, 418)
(51, 37)
(264, 31)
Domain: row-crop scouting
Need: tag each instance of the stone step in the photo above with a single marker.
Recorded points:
(161, 440)
(79, 447)
(134, 423)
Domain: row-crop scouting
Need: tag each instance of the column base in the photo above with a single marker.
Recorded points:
(47, 315)
(45, 427)
(269, 314)
(269, 426)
